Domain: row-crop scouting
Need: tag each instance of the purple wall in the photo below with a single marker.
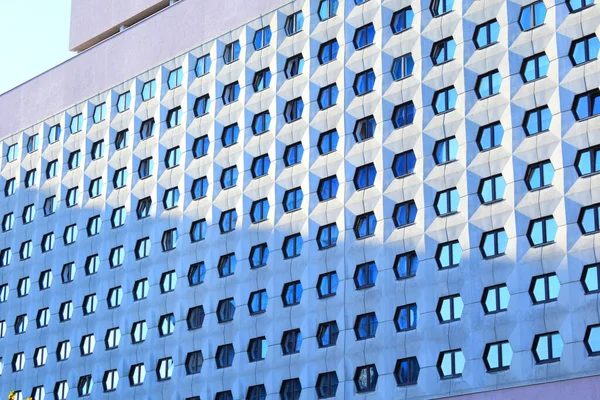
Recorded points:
(582, 388)
(90, 18)
(171, 32)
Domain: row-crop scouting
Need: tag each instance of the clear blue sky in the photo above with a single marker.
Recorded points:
(34, 37)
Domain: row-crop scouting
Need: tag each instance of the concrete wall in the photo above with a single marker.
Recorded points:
(92, 20)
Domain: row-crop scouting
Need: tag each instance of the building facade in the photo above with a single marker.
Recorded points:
(303, 199)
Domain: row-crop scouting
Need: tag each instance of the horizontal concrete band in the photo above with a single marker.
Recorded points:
(157, 39)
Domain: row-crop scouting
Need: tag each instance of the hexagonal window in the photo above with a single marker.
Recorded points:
(260, 166)
(364, 36)
(112, 338)
(542, 231)
(486, 34)
(139, 330)
(450, 308)
(168, 281)
(405, 214)
(590, 278)
(364, 176)
(140, 289)
(175, 78)
(592, 340)
(166, 325)
(365, 326)
(224, 356)
(40, 355)
(110, 380)
(164, 369)
(532, 15)
(87, 345)
(328, 188)
(257, 349)
(446, 202)
(544, 288)
(259, 210)
(43, 318)
(327, 334)
(123, 102)
(448, 254)
(228, 220)
(225, 395)
(226, 310)
(547, 347)
(47, 242)
(444, 100)
(84, 385)
(193, 362)
(195, 317)
(231, 93)
(293, 110)
(21, 323)
(493, 243)
(406, 317)
(171, 198)
(445, 150)
(584, 50)
(292, 293)
(488, 84)
(402, 20)
(262, 80)
(291, 341)
(535, 67)
(327, 384)
(327, 236)
(290, 389)
(63, 350)
(365, 378)
(196, 273)
(451, 364)
(149, 90)
(490, 136)
(364, 225)
(90, 302)
(259, 255)
(294, 66)
(364, 128)
(292, 199)
(328, 96)
(66, 311)
(492, 189)
(365, 275)
(497, 356)
(292, 246)
(231, 52)
(404, 164)
(257, 303)
(443, 51)
(364, 82)
(539, 175)
(61, 390)
(537, 120)
(441, 7)
(407, 371)
(227, 264)
(406, 265)
(262, 38)
(327, 284)
(293, 154)
(327, 9)
(328, 142)
(495, 299)
(328, 51)
(137, 374)
(293, 24)
(23, 286)
(585, 105)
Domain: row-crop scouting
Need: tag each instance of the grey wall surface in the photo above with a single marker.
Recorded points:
(132, 58)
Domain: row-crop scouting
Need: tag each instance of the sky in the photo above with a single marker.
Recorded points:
(34, 37)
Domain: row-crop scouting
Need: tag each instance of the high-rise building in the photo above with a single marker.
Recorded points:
(299, 199)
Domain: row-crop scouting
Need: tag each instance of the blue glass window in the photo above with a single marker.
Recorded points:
(445, 150)
(262, 80)
(229, 177)
(292, 200)
(231, 52)
(294, 66)
(202, 106)
(328, 142)
(171, 198)
(200, 147)
(537, 120)
(203, 65)
(364, 176)
(228, 220)
(443, 51)
(406, 265)
(327, 9)
(588, 161)
(328, 51)
(258, 302)
(293, 154)
(294, 23)
(444, 100)
(493, 244)
(587, 105)
(446, 202)
(404, 164)
(227, 264)
(259, 210)
(231, 93)
(404, 114)
(402, 20)
(403, 66)
(490, 136)
(365, 326)
(293, 110)
(589, 219)
(327, 96)
(364, 82)
(440, 7)
(364, 36)
(292, 293)
(406, 317)
(230, 135)
(365, 225)
(260, 166)
(488, 84)
(535, 67)
(532, 15)
(292, 246)
(405, 214)
(262, 38)
(149, 90)
(539, 175)
(327, 284)
(449, 254)
(577, 5)
(542, 231)
(327, 236)
(198, 230)
(328, 188)
(365, 128)
(486, 34)
(492, 189)
(365, 275)
(261, 122)
(259, 255)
